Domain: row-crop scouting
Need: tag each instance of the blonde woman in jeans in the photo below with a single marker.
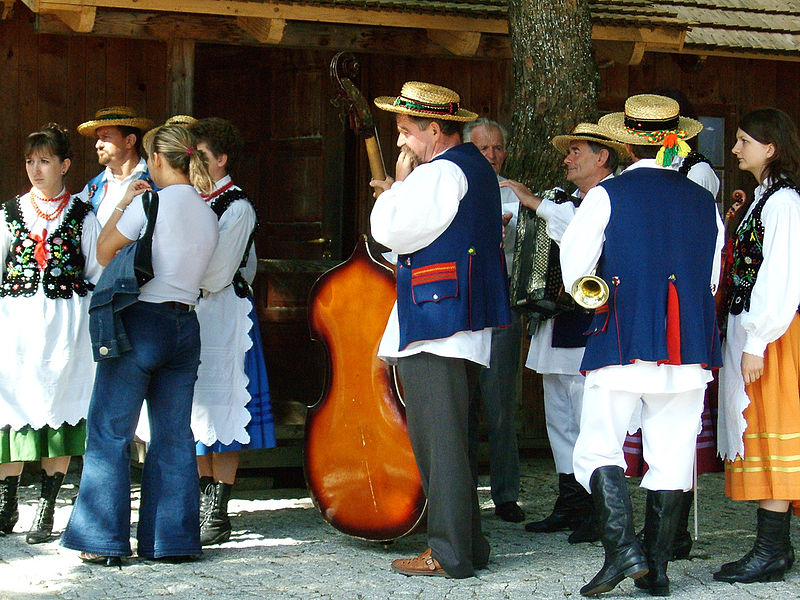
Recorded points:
(161, 366)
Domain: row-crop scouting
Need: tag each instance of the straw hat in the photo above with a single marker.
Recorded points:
(120, 116)
(182, 120)
(588, 132)
(647, 120)
(426, 100)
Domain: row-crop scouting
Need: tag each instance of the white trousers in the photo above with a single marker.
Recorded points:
(563, 397)
(669, 434)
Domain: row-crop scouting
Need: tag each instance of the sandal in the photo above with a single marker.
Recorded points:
(99, 559)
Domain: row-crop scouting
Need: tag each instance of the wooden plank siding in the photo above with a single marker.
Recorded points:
(66, 79)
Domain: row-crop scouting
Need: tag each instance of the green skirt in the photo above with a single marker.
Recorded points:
(29, 444)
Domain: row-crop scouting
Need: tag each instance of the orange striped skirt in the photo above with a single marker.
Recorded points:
(771, 465)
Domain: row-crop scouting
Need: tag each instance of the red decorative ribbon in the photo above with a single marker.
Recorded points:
(40, 250)
(215, 193)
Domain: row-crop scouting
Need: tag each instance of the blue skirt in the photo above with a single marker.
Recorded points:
(261, 426)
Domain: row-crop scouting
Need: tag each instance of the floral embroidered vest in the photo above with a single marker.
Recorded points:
(219, 205)
(748, 252)
(63, 273)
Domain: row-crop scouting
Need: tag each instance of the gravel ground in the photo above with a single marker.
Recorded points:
(281, 548)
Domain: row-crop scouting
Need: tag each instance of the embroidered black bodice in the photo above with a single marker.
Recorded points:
(219, 205)
(63, 273)
(692, 159)
(748, 252)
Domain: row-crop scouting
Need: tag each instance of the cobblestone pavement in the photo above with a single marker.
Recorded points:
(281, 548)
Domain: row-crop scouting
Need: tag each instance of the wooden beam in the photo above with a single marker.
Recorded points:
(297, 34)
(622, 53)
(6, 9)
(266, 31)
(663, 37)
(180, 76)
(460, 43)
(300, 12)
(80, 20)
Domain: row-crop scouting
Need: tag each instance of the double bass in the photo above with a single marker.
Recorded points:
(358, 462)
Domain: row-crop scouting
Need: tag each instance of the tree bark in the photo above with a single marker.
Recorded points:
(555, 84)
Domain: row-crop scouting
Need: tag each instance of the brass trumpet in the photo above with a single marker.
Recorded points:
(590, 291)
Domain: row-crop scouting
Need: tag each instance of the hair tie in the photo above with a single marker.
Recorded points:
(189, 150)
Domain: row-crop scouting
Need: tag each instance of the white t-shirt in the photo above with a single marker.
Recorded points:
(184, 240)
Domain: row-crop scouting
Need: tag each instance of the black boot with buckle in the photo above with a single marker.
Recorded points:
(567, 510)
(9, 510)
(662, 516)
(43, 521)
(215, 527)
(623, 556)
(769, 558)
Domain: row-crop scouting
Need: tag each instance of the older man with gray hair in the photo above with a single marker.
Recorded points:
(498, 383)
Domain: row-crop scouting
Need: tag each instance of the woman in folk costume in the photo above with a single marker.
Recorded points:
(47, 254)
(231, 408)
(759, 413)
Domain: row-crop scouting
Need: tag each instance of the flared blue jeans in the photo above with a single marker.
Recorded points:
(161, 367)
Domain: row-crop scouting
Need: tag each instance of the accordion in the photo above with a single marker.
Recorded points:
(536, 285)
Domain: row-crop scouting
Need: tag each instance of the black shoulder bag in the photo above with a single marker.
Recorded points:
(143, 259)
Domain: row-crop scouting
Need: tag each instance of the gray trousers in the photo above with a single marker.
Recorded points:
(435, 392)
(497, 392)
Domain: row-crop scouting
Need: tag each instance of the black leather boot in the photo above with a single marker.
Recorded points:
(683, 539)
(662, 516)
(623, 556)
(566, 512)
(43, 521)
(215, 528)
(769, 558)
(588, 529)
(206, 495)
(9, 510)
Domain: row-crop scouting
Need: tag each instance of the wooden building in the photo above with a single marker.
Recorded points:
(264, 65)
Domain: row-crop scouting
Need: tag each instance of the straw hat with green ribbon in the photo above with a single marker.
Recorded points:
(652, 120)
(119, 116)
(588, 132)
(426, 100)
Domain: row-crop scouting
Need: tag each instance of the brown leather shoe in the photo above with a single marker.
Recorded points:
(424, 564)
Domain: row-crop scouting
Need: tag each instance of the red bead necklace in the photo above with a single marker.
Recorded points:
(62, 201)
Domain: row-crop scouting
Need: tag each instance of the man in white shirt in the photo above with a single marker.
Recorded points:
(442, 217)
(655, 339)
(118, 132)
(557, 344)
(497, 384)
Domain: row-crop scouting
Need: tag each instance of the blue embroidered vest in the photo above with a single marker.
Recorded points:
(96, 188)
(63, 273)
(219, 205)
(459, 281)
(748, 252)
(660, 242)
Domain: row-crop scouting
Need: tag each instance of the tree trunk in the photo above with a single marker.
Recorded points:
(555, 84)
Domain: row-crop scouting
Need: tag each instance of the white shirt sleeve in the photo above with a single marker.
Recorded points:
(235, 227)
(582, 242)
(776, 292)
(133, 221)
(89, 233)
(414, 212)
(557, 216)
(703, 174)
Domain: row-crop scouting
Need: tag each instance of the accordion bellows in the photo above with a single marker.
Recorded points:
(536, 285)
